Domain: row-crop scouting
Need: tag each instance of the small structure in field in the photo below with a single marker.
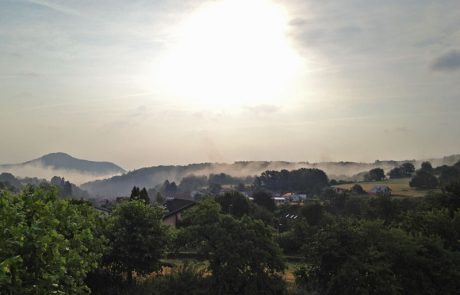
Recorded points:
(380, 190)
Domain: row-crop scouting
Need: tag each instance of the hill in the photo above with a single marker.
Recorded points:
(62, 164)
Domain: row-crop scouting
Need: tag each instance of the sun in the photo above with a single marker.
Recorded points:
(230, 53)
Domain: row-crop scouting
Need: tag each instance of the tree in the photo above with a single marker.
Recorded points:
(264, 199)
(409, 168)
(364, 257)
(447, 175)
(375, 174)
(243, 257)
(47, 245)
(137, 238)
(313, 213)
(135, 193)
(192, 182)
(169, 188)
(397, 172)
(309, 181)
(138, 194)
(357, 189)
(424, 180)
(144, 196)
(426, 166)
(234, 203)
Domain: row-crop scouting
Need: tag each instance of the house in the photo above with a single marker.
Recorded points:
(279, 200)
(174, 209)
(380, 190)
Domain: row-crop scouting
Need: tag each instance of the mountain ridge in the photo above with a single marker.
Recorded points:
(64, 161)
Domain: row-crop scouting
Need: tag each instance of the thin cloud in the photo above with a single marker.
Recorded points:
(447, 62)
(56, 7)
(262, 109)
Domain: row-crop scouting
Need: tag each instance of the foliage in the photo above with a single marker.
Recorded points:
(47, 245)
(313, 213)
(357, 189)
(364, 257)
(405, 170)
(192, 182)
(234, 203)
(426, 167)
(424, 180)
(243, 257)
(138, 194)
(309, 181)
(169, 188)
(375, 174)
(137, 238)
(264, 199)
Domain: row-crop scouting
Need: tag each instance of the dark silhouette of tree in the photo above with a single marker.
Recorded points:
(137, 238)
(357, 189)
(313, 213)
(264, 199)
(309, 181)
(135, 193)
(144, 196)
(409, 168)
(426, 166)
(375, 174)
(234, 203)
(424, 180)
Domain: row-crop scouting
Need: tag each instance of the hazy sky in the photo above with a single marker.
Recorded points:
(144, 82)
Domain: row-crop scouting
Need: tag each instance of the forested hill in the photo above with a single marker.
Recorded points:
(77, 170)
(152, 176)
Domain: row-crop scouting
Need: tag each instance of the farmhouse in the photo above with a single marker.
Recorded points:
(174, 209)
(380, 190)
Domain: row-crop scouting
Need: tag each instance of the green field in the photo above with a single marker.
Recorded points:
(399, 187)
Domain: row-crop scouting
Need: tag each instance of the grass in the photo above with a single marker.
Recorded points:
(292, 264)
(399, 187)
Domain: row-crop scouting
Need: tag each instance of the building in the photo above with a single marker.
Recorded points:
(380, 190)
(174, 209)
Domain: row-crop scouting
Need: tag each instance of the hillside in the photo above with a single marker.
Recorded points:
(62, 164)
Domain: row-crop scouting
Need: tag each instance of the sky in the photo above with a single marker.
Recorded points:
(151, 82)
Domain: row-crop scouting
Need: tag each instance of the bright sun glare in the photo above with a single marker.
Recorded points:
(231, 53)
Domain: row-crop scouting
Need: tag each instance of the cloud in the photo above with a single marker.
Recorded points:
(262, 109)
(447, 62)
(56, 7)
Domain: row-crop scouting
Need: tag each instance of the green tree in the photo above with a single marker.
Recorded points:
(313, 213)
(47, 245)
(234, 203)
(426, 166)
(424, 180)
(357, 189)
(243, 257)
(375, 174)
(135, 193)
(363, 257)
(409, 168)
(137, 238)
(264, 199)
(144, 196)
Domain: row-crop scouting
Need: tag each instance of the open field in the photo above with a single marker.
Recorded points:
(399, 187)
